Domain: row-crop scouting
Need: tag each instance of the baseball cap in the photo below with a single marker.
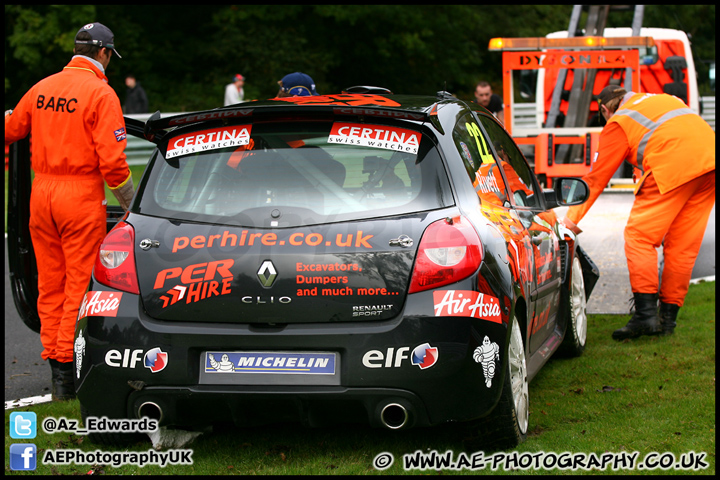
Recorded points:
(101, 36)
(298, 85)
(609, 93)
(237, 77)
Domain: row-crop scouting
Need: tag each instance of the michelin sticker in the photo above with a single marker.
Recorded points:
(204, 140)
(486, 355)
(265, 362)
(79, 352)
(376, 136)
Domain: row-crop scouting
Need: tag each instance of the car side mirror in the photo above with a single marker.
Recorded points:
(566, 192)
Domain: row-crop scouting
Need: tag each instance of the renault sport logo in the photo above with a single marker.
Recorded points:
(267, 274)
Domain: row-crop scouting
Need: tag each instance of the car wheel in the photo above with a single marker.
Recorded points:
(575, 307)
(116, 439)
(506, 426)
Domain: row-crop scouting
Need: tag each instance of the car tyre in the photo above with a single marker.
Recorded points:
(115, 439)
(575, 306)
(506, 426)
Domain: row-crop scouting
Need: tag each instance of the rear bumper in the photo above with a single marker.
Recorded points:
(375, 368)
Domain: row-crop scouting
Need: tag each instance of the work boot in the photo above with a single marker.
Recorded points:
(668, 315)
(645, 319)
(63, 385)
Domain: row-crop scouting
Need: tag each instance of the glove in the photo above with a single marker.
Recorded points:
(124, 193)
(570, 225)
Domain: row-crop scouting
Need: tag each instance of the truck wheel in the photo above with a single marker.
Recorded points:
(575, 308)
(506, 426)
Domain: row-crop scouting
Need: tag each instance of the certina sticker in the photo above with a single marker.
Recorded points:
(100, 304)
(204, 140)
(375, 136)
(466, 303)
(267, 362)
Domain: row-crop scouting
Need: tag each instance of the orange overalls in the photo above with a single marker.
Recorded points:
(674, 148)
(78, 139)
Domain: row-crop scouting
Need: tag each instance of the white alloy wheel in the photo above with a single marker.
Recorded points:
(518, 377)
(578, 303)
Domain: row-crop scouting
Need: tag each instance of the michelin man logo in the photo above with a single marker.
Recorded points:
(486, 355)
(79, 352)
(224, 365)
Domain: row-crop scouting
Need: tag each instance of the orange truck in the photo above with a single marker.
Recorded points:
(562, 135)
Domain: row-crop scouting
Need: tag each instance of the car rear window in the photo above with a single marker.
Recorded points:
(295, 173)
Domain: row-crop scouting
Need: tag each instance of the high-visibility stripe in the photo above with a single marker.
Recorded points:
(651, 126)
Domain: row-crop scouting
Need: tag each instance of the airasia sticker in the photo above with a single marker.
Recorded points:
(466, 303)
(376, 136)
(212, 139)
(100, 304)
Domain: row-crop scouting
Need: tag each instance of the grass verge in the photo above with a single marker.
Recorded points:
(654, 396)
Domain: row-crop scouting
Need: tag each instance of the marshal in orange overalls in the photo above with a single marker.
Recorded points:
(78, 139)
(674, 148)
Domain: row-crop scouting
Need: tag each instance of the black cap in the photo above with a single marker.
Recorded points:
(101, 36)
(609, 93)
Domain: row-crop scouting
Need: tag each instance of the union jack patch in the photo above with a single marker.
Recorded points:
(120, 135)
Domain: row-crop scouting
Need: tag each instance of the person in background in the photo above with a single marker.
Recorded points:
(234, 92)
(485, 97)
(296, 85)
(135, 100)
(78, 142)
(673, 149)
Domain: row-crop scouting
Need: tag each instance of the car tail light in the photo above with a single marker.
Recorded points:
(449, 251)
(115, 263)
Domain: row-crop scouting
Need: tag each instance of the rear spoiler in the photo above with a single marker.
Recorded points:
(366, 104)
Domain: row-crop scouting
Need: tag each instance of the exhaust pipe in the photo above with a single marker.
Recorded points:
(394, 416)
(151, 410)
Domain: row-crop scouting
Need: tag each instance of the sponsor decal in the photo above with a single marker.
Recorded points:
(466, 303)
(376, 136)
(486, 184)
(486, 355)
(378, 113)
(155, 360)
(209, 140)
(120, 134)
(100, 304)
(423, 356)
(199, 281)
(344, 99)
(79, 348)
(214, 115)
(246, 239)
(271, 362)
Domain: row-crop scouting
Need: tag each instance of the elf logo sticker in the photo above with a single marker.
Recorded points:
(376, 136)
(423, 356)
(155, 360)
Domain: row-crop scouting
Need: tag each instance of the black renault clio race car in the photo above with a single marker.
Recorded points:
(353, 257)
